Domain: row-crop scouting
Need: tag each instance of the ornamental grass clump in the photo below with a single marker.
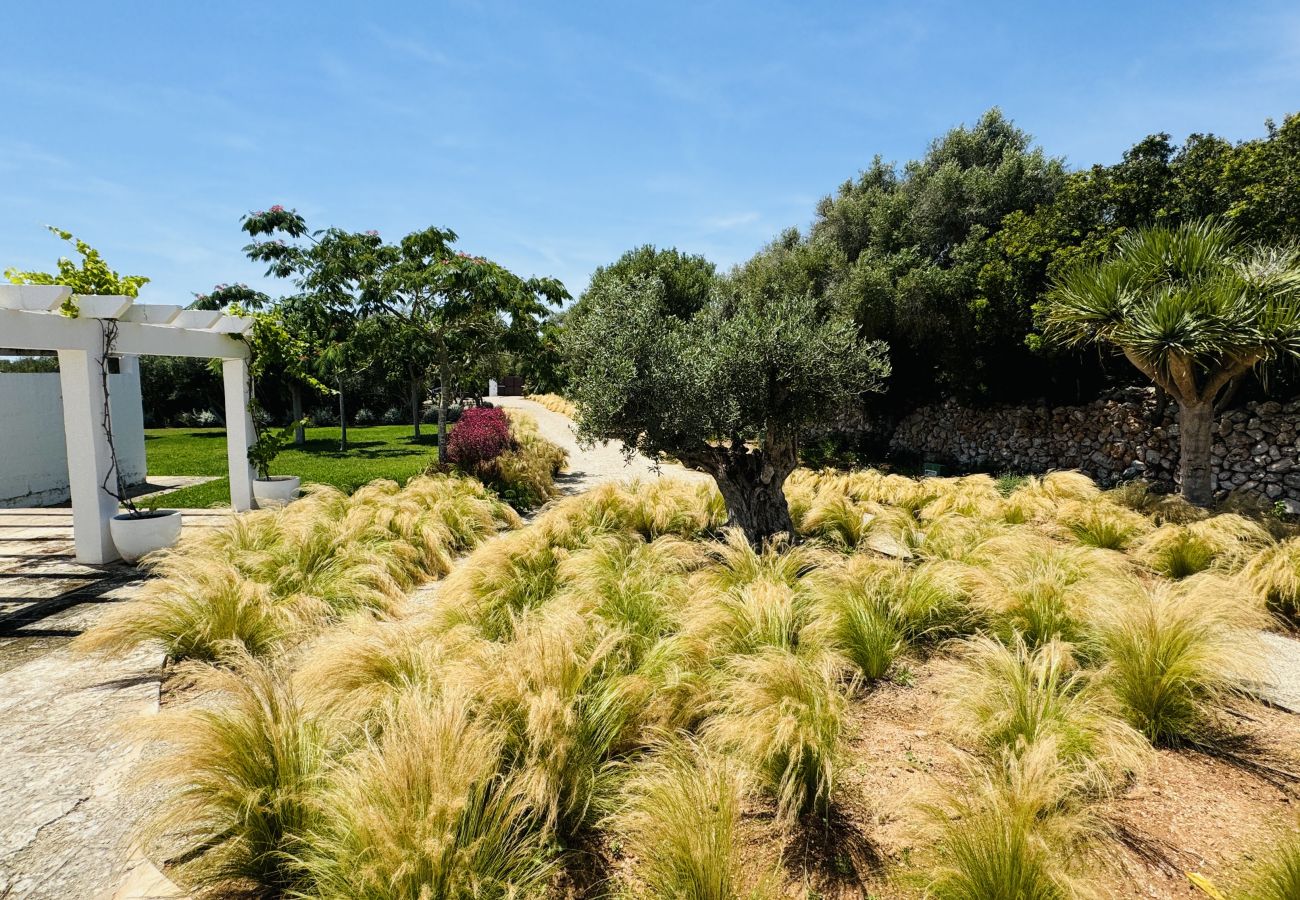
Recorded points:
(1273, 575)
(1011, 829)
(1275, 874)
(424, 810)
(1177, 655)
(557, 692)
(1224, 542)
(1006, 699)
(555, 403)
(270, 579)
(1102, 524)
(243, 779)
(873, 610)
(1026, 585)
(677, 815)
(635, 586)
(782, 715)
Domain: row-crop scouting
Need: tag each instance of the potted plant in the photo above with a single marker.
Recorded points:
(138, 532)
(273, 490)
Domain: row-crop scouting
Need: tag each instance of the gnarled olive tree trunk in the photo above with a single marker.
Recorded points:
(752, 482)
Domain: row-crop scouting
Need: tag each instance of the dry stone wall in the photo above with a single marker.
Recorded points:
(1256, 448)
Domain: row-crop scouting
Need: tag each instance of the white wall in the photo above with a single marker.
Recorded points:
(33, 454)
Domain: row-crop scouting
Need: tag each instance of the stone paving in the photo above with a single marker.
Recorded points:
(68, 815)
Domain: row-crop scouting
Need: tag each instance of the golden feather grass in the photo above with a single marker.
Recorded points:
(1273, 576)
(1012, 827)
(422, 810)
(678, 815)
(1176, 656)
(1223, 542)
(1006, 698)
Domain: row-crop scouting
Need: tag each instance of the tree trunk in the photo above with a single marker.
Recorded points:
(415, 406)
(295, 394)
(1195, 436)
(752, 483)
(443, 375)
(756, 507)
(343, 420)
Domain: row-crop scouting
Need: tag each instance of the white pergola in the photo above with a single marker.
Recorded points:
(30, 319)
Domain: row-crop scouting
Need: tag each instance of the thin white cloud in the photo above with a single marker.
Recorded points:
(732, 220)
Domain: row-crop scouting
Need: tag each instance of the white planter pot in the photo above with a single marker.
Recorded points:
(137, 536)
(276, 490)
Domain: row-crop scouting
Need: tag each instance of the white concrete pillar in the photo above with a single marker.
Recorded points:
(492, 387)
(90, 461)
(239, 432)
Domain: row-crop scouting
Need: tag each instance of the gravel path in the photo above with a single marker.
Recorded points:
(591, 466)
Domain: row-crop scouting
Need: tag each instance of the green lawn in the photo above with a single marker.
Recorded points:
(379, 451)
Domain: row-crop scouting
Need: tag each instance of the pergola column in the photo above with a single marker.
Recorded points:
(90, 459)
(239, 432)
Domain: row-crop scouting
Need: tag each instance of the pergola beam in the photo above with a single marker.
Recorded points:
(30, 321)
(49, 331)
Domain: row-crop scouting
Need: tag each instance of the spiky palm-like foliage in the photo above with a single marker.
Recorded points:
(678, 815)
(1224, 542)
(242, 778)
(423, 811)
(1176, 655)
(1006, 699)
(1192, 310)
(782, 713)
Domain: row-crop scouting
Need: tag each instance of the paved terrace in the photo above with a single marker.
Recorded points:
(67, 817)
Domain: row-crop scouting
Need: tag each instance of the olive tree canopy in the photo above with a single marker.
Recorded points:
(727, 389)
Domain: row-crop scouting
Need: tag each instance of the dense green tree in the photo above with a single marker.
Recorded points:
(1193, 310)
(688, 280)
(727, 390)
(913, 245)
(449, 297)
(327, 266)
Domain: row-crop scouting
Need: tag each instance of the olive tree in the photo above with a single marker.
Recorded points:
(726, 389)
(1194, 311)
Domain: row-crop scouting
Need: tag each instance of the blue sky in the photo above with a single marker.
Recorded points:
(552, 137)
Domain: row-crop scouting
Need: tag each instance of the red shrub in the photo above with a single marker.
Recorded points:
(481, 434)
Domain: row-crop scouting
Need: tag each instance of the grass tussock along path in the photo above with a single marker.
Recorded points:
(946, 690)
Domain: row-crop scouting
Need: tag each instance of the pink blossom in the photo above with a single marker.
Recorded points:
(277, 208)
